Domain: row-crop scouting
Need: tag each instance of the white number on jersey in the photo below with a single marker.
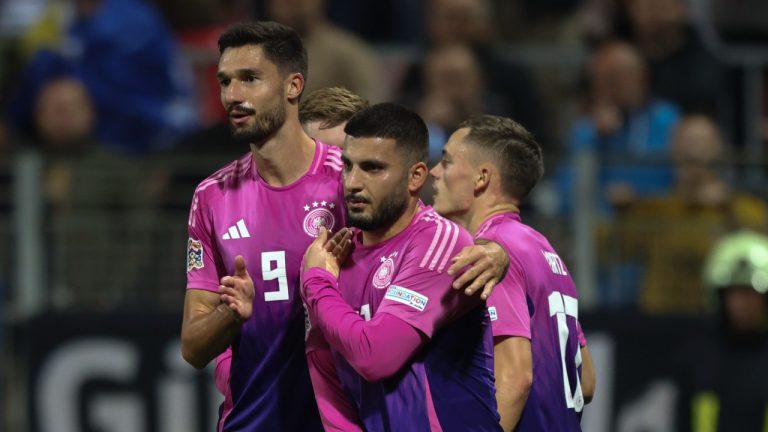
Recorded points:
(561, 306)
(268, 273)
(365, 311)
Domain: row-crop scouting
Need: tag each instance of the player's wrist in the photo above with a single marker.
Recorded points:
(229, 313)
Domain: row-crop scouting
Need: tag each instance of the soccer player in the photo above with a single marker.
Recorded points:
(407, 350)
(489, 166)
(265, 209)
(323, 115)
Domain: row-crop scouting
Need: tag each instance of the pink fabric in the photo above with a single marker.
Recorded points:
(223, 361)
(336, 410)
(420, 293)
(580, 332)
(507, 304)
(434, 422)
(376, 349)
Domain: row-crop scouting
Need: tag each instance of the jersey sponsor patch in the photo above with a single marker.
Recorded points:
(492, 313)
(407, 297)
(194, 254)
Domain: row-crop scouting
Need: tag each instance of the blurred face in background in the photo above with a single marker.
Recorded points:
(453, 73)
(300, 15)
(651, 17)
(696, 147)
(64, 115)
(252, 92)
(457, 21)
(745, 308)
(619, 76)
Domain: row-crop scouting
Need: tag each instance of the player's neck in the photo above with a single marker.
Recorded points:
(483, 212)
(286, 156)
(384, 234)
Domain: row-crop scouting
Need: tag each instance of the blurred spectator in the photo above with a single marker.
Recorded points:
(681, 68)
(742, 22)
(625, 126)
(454, 90)
(469, 22)
(724, 386)
(125, 55)
(95, 200)
(662, 241)
(197, 25)
(389, 21)
(336, 58)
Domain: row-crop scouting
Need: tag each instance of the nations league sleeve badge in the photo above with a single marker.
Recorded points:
(194, 254)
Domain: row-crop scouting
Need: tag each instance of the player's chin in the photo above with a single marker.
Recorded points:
(437, 203)
(358, 220)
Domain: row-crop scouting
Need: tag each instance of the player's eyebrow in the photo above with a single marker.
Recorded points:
(220, 75)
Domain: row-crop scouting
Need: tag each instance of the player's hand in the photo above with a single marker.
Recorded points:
(237, 291)
(340, 244)
(489, 263)
(318, 254)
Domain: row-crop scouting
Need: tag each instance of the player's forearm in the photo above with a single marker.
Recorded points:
(513, 367)
(205, 336)
(336, 410)
(588, 377)
(510, 400)
(376, 349)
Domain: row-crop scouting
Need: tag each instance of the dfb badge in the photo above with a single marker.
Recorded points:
(383, 275)
(318, 216)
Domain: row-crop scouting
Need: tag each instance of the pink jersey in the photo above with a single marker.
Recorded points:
(537, 300)
(234, 212)
(448, 385)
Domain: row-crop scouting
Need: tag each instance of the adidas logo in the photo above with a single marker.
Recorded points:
(237, 231)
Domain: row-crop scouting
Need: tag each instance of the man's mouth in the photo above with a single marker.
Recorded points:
(240, 117)
(356, 202)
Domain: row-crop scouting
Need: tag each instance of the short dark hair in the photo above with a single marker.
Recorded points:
(388, 120)
(512, 148)
(330, 106)
(281, 44)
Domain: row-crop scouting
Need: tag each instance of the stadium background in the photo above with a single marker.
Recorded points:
(109, 116)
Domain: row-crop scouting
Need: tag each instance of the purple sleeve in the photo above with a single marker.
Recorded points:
(507, 305)
(336, 410)
(421, 292)
(376, 349)
(203, 258)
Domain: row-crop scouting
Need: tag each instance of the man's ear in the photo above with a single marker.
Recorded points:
(294, 86)
(485, 173)
(417, 176)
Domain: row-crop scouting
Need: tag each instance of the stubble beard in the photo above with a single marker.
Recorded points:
(387, 213)
(264, 125)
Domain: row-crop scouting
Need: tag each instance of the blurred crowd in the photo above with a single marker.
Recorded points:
(119, 98)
